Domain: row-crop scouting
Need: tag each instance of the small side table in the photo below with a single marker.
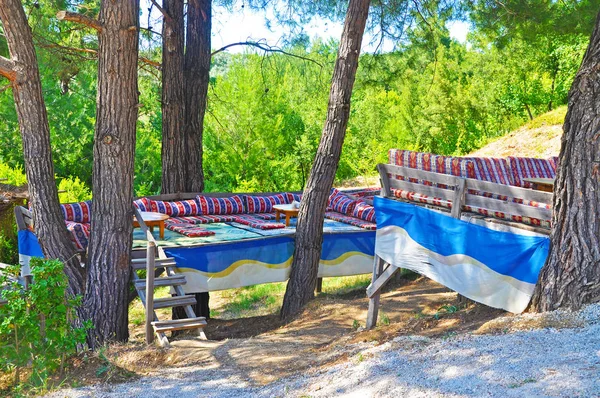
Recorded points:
(152, 219)
(288, 210)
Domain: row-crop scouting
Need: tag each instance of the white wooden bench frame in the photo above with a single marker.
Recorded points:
(457, 191)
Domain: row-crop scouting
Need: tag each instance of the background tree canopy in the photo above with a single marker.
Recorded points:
(266, 110)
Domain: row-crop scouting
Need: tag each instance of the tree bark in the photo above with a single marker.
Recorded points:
(185, 89)
(196, 75)
(114, 149)
(22, 70)
(571, 275)
(309, 230)
(173, 105)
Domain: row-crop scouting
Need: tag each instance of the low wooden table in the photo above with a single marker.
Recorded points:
(152, 219)
(541, 184)
(289, 211)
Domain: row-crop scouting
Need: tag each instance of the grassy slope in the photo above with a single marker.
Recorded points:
(539, 138)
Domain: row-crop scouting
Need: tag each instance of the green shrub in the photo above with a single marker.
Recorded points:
(14, 176)
(36, 331)
(74, 190)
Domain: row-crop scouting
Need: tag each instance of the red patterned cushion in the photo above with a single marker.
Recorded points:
(530, 168)
(554, 163)
(509, 217)
(229, 205)
(364, 211)
(264, 204)
(342, 204)
(265, 216)
(420, 198)
(77, 212)
(493, 170)
(80, 234)
(190, 230)
(143, 204)
(199, 219)
(456, 166)
(335, 216)
(257, 222)
(176, 208)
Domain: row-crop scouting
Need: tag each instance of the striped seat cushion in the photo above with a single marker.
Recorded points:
(357, 222)
(364, 211)
(420, 198)
(257, 223)
(264, 204)
(553, 163)
(530, 168)
(493, 170)
(508, 217)
(175, 208)
(340, 202)
(265, 216)
(80, 234)
(219, 206)
(80, 212)
(142, 204)
(190, 230)
(456, 166)
(199, 219)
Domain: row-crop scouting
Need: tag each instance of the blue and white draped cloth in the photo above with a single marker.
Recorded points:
(496, 268)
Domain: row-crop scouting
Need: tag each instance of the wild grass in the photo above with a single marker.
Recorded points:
(554, 117)
(267, 298)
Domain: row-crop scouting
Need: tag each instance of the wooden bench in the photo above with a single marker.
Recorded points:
(457, 196)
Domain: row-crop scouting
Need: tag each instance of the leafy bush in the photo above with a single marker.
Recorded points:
(36, 332)
(8, 247)
(74, 190)
(15, 176)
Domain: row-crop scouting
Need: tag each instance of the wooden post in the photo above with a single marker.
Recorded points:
(459, 198)
(319, 285)
(374, 300)
(150, 257)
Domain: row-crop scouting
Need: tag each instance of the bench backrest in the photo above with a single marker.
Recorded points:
(466, 192)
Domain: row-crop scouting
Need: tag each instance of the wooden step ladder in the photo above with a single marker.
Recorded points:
(157, 259)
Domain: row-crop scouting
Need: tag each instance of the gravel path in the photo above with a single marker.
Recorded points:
(545, 362)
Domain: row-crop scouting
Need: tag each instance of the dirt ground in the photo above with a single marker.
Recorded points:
(263, 350)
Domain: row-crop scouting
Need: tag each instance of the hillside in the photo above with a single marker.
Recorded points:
(539, 138)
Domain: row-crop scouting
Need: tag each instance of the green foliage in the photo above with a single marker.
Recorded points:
(15, 176)
(36, 331)
(9, 252)
(74, 190)
(266, 111)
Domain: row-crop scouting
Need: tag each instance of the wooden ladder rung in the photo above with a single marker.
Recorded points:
(176, 280)
(179, 324)
(176, 301)
(158, 260)
(161, 264)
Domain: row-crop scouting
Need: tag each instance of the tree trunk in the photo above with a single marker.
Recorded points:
(22, 70)
(309, 230)
(173, 105)
(196, 76)
(571, 275)
(114, 148)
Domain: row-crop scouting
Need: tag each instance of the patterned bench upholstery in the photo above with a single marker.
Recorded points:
(346, 219)
(80, 233)
(530, 168)
(508, 171)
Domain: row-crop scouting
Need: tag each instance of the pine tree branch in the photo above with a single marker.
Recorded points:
(79, 18)
(147, 61)
(7, 68)
(166, 16)
(265, 47)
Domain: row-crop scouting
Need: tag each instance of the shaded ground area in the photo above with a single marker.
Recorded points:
(260, 350)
